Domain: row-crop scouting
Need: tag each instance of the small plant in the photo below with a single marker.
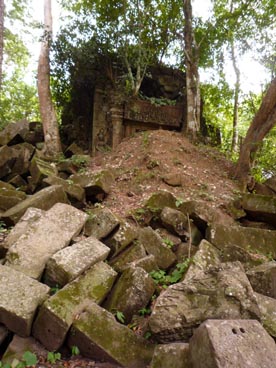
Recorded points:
(145, 139)
(75, 350)
(28, 359)
(54, 289)
(2, 227)
(144, 311)
(169, 243)
(119, 316)
(147, 335)
(52, 357)
(179, 202)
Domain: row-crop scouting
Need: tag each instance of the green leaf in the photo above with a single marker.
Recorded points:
(120, 316)
(75, 350)
(29, 358)
(52, 357)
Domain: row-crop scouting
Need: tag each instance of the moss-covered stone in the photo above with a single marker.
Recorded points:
(253, 240)
(131, 293)
(20, 297)
(260, 207)
(101, 223)
(58, 313)
(41, 169)
(10, 198)
(263, 278)
(8, 157)
(221, 293)
(75, 192)
(154, 245)
(14, 133)
(133, 253)
(70, 262)
(43, 200)
(174, 355)
(100, 337)
(267, 308)
(159, 200)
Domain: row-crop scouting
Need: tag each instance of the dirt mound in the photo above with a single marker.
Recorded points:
(165, 160)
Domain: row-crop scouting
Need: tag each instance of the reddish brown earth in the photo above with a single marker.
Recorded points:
(146, 163)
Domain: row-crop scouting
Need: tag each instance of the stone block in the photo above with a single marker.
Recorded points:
(148, 263)
(174, 355)
(232, 343)
(52, 232)
(18, 346)
(44, 200)
(100, 337)
(253, 240)
(8, 157)
(20, 297)
(40, 169)
(133, 253)
(10, 198)
(223, 292)
(131, 293)
(121, 239)
(263, 278)
(101, 223)
(25, 152)
(74, 192)
(159, 200)
(70, 262)
(267, 308)
(154, 245)
(59, 312)
(260, 207)
(14, 133)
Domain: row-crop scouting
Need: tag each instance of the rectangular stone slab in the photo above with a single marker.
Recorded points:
(20, 297)
(58, 313)
(70, 262)
(49, 234)
(99, 336)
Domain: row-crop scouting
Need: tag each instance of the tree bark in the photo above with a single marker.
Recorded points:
(235, 134)
(48, 115)
(2, 11)
(192, 75)
(262, 123)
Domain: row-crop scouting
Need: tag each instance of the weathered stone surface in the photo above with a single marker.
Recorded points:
(8, 156)
(263, 278)
(259, 207)
(14, 133)
(221, 293)
(178, 223)
(18, 346)
(10, 198)
(174, 355)
(204, 214)
(205, 258)
(154, 245)
(99, 336)
(267, 308)
(101, 223)
(131, 293)
(22, 163)
(133, 253)
(41, 169)
(20, 297)
(58, 313)
(263, 189)
(232, 343)
(74, 192)
(94, 183)
(159, 200)
(23, 225)
(148, 263)
(174, 180)
(73, 149)
(43, 200)
(18, 182)
(123, 237)
(50, 233)
(253, 240)
(271, 183)
(7, 186)
(70, 262)
(184, 250)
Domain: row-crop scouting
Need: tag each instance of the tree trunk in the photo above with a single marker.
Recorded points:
(47, 111)
(235, 135)
(2, 11)
(192, 75)
(262, 123)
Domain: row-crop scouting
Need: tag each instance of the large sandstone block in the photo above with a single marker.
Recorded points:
(260, 207)
(40, 170)
(8, 157)
(14, 133)
(20, 297)
(124, 259)
(59, 312)
(49, 234)
(263, 278)
(25, 152)
(131, 293)
(10, 198)
(43, 200)
(223, 292)
(100, 337)
(232, 343)
(267, 308)
(253, 240)
(101, 223)
(153, 243)
(74, 192)
(174, 355)
(70, 262)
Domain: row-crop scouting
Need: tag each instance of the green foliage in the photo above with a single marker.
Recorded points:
(75, 350)
(29, 359)
(168, 242)
(160, 277)
(144, 312)
(119, 316)
(179, 202)
(54, 289)
(52, 357)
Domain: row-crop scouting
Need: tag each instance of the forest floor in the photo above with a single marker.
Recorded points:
(159, 160)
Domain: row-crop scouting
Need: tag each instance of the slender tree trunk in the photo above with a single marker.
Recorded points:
(2, 11)
(262, 123)
(47, 111)
(235, 136)
(192, 75)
